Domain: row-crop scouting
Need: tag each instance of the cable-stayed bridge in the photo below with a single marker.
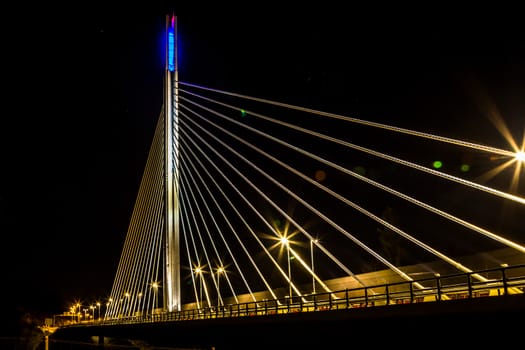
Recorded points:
(239, 201)
(256, 207)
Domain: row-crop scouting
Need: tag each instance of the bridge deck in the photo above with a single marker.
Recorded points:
(463, 321)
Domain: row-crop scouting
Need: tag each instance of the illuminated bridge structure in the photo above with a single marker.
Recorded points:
(259, 222)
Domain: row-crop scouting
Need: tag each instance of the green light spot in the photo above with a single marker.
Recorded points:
(243, 113)
(465, 167)
(437, 164)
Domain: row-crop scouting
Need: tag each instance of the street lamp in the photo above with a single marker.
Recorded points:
(220, 270)
(127, 307)
(155, 287)
(121, 308)
(312, 241)
(139, 304)
(520, 156)
(286, 242)
(98, 308)
(110, 300)
(198, 271)
(79, 314)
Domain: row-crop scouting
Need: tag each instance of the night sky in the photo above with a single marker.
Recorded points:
(83, 91)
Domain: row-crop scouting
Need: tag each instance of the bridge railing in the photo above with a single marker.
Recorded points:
(484, 283)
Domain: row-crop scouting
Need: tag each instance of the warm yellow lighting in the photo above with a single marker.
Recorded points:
(520, 156)
(516, 154)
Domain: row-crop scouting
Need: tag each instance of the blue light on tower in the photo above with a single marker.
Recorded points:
(171, 45)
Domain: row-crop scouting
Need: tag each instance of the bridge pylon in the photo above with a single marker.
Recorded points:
(172, 297)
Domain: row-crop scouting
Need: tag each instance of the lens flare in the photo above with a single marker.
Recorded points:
(520, 156)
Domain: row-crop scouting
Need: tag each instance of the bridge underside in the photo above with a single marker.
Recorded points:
(455, 322)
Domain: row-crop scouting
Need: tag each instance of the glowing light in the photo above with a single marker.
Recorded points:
(464, 168)
(517, 159)
(171, 45)
(320, 175)
(491, 110)
(243, 113)
(437, 164)
(520, 156)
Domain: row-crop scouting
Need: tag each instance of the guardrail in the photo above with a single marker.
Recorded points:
(484, 283)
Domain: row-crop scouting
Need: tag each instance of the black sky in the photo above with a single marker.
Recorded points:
(83, 90)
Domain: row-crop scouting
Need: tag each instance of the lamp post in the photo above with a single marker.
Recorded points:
(139, 304)
(198, 272)
(98, 310)
(286, 242)
(155, 286)
(72, 312)
(312, 259)
(127, 307)
(121, 308)
(110, 300)
(220, 270)
(79, 314)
